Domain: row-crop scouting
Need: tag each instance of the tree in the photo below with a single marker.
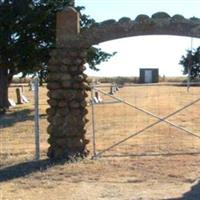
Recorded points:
(191, 62)
(27, 34)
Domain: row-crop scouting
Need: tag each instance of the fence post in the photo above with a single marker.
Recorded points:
(36, 117)
(93, 121)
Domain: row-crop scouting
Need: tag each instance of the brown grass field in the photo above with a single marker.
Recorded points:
(159, 163)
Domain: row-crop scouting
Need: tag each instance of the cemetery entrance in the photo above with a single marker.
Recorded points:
(68, 84)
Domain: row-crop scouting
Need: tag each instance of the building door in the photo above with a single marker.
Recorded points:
(148, 76)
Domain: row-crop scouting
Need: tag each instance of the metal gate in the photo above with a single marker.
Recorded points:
(112, 96)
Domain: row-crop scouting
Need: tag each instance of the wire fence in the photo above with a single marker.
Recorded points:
(151, 119)
(23, 135)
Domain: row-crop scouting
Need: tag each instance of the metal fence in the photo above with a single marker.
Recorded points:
(151, 119)
(137, 120)
(23, 134)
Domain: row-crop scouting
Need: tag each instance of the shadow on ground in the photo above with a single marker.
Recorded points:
(10, 119)
(192, 194)
(26, 168)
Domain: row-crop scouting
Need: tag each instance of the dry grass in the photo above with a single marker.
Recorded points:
(131, 177)
(119, 121)
(17, 129)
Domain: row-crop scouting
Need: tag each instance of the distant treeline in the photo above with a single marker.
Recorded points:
(121, 80)
(118, 79)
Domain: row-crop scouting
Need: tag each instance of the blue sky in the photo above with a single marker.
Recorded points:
(163, 52)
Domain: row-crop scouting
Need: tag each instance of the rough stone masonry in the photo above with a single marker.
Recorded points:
(67, 91)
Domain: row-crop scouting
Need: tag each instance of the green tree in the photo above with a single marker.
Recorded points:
(191, 62)
(27, 34)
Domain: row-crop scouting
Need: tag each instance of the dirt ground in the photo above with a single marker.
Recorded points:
(127, 178)
(161, 163)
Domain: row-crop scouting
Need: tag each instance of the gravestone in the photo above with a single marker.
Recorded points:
(19, 94)
(98, 97)
(21, 99)
(11, 103)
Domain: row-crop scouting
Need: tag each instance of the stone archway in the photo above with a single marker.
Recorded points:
(67, 82)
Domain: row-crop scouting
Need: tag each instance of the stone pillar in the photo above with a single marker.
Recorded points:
(68, 26)
(67, 93)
